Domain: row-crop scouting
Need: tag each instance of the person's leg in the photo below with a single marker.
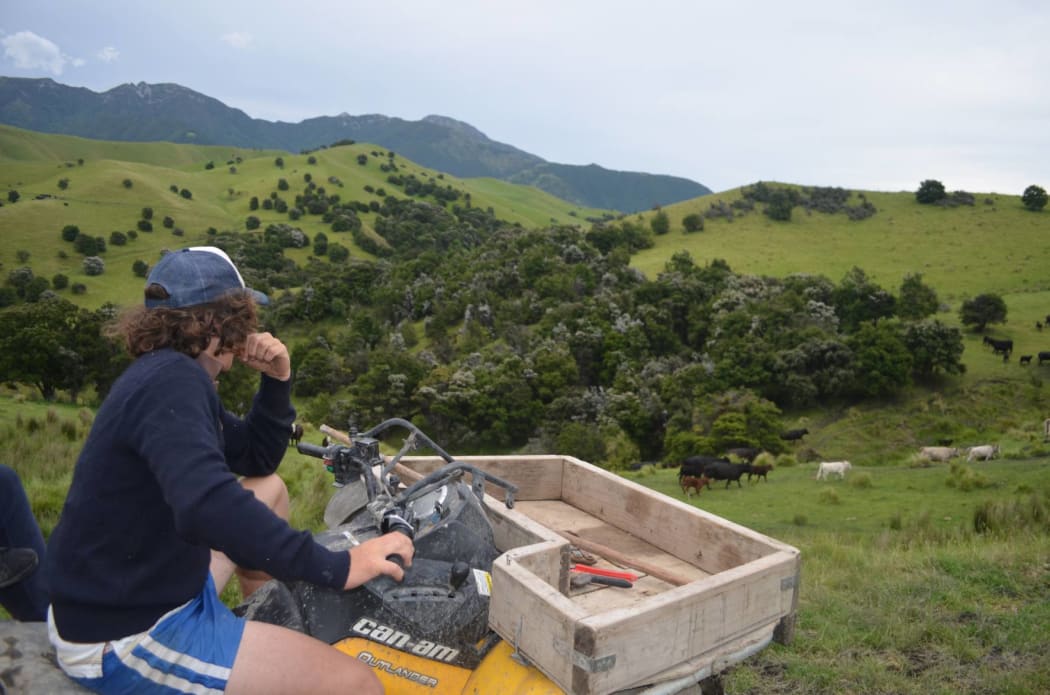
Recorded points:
(273, 659)
(271, 491)
(26, 600)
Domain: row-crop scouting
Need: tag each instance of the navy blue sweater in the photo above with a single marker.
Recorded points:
(155, 489)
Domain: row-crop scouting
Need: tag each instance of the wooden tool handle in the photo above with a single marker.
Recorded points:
(341, 437)
(621, 559)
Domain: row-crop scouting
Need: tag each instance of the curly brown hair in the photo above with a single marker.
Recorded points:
(187, 330)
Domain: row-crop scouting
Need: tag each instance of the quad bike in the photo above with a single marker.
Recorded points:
(428, 633)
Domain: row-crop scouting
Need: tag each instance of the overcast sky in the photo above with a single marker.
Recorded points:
(873, 95)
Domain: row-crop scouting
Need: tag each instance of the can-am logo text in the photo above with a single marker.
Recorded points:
(403, 641)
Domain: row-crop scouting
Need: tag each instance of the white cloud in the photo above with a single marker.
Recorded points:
(109, 54)
(237, 39)
(29, 51)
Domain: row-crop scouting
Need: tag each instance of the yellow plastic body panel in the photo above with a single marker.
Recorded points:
(401, 672)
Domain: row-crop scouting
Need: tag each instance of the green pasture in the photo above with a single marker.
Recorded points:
(899, 594)
(795, 507)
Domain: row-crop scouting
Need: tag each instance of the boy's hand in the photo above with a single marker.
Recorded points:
(265, 353)
(369, 560)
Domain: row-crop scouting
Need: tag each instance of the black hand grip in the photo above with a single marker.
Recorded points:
(394, 521)
(312, 450)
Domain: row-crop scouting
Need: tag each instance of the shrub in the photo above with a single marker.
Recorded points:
(693, 222)
(93, 265)
(78, 288)
(144, 226)
(118, 238)
(930, 191)
(140, 268)
(337, 253)
(70, 232)
(252, 222)
(185, 193)
(1034, 198)
(127, 183)
(60, 281)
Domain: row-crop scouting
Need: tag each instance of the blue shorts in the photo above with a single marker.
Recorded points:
(189, 650)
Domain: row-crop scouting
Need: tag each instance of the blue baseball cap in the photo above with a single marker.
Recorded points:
(197, 275)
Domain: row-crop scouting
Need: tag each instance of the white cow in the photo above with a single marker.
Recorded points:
(829, 468)
(983, 452)
(938, 453)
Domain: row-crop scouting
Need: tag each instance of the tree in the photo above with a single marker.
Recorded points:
(52, 345)
(63, 183)
(117, 238)
(185, 193)
(70, 232)
(779, 207)
(930, 191)
(1034, 198)
(60, 281)
(279, 162)
(140, 268)
(982, 310)
(147, 213)
(13, 196)
(882, 362)
(917, 300)
(935, 348)
(128, 183)
(253, 204)
(252, 222)
(337, 253)
(320, 244)
(858, 299)
(93, 265)
(660, 224)
(86, 244)
(693, 222)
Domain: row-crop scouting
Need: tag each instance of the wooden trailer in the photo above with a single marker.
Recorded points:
(708, 593)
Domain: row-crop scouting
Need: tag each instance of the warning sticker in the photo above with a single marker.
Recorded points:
(483, 580)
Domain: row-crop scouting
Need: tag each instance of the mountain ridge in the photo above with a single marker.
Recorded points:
(174, 113)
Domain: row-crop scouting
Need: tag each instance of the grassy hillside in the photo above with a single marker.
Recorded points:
(97, 201)
(994, 246)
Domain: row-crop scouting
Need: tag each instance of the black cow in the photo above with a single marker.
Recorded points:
(794, 435)
(744, 453)
(727, 471)
(1044, 357)
(759, 471)
(1025, 359)
(1002, 347)
(696, 465)
(296, 434)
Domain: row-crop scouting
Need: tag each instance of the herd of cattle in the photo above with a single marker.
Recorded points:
(1005, 347)
(700, 471)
